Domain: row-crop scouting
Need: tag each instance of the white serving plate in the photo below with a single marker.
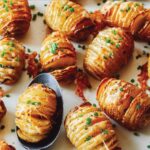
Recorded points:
(32, 40)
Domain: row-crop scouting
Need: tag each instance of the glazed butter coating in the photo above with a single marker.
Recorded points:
(69, 18)
(5, 146)
(128, 15)
(124, 103)
(88, 128)
(12, 60)
(34, 112)
(110, 50)
(15, 17)
(58, 56)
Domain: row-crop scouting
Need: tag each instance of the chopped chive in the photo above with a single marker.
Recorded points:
(88, 138)
(96, 114)
(117, 45)
(138, 106)
(12, 130)
(88, 121)
(34, 17)
(136, 134)
(32, 7)
(104, 131)
(132, 80)
(54, 47)
(148, 146)
(71, 9)
(121, 89)
(40, 14)
(94, 105)
(7, 95)
(131, 98)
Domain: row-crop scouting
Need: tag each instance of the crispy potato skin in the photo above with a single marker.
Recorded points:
(108, 52)
(70, 18)
(5, 146)
(12, 60)
(144, 32)
(2, 110)
(34, 113)
(99, 134)
(128, 15)
(124, 103)
(15, 17)
(62, 62)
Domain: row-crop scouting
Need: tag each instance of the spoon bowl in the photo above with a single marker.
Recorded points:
(49, 81)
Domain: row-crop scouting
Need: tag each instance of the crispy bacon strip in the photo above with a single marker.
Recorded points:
(143, 77)
(33, 67)
(82, 83)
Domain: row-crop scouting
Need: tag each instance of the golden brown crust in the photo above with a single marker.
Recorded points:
(58, 56)
(34, 113)
(12, 60)
(88, 128)
(2, 110)
(66, 75)
(111, 47)
(144, 32)
(69, 18)
(128, 15)
(15, 17)
(124, 102)
(5, 146)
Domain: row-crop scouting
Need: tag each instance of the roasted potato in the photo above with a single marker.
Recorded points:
(15, 17)
(108, 52)
(58, 56)
(70, 18)
(128, 15)
(88, 128)
(5, 146)
(12, 60)
(34, 113)
(2, 110)
(144, 32)
(124, 102)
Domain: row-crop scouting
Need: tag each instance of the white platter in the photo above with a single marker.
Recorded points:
(32, 40)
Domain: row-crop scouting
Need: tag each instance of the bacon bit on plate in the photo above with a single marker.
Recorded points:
(82, 83)
(143, 77)
(33, 67)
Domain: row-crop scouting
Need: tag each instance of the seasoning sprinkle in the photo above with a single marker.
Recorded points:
(96, 114)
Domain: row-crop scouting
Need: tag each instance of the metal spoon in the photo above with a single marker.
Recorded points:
(49, 81)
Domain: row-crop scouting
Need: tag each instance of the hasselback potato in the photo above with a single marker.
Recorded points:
(5, 146)
(12, 60)
(88, 129)
(58, 56)
(15, 17)
(144, 32)
(34, 113)
(128, 15)
(108, 52)
(69, 18)
(124, 102)
(2, 110)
